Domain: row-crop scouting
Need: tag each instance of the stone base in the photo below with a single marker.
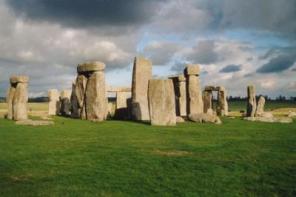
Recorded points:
(270, 119)
(202, 118)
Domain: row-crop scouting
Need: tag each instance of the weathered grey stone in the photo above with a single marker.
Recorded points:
(80, 87)
(53, 103)
(90, 67)
(75, 111)
(260, 106)
(17, 98)
(142, 73)
(182, 97)
(9, 100)
(95, 97)
(161, 102)
(20, 101)
(192, 69)
(194, 99)
(222, 109)
(207, 101)
(122, 111)
(202, 118)
(65, 104)
(180, 119)
(251, 106)
(270, 119)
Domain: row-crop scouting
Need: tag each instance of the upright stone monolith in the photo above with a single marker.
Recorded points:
(75, 112)
(260, 106)
(18, 98)
(142, 73)
(207, 101)
(54, 102)
(194, 96)
(161, 102)
(182, 97)
(222, 109)
(65, 103)
(251, 106)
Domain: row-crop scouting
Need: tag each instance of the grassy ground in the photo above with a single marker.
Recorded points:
(114, 158)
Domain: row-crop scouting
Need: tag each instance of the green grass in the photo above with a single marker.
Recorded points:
(115, 158)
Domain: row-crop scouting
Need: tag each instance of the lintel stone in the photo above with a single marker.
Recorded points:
(90, 67)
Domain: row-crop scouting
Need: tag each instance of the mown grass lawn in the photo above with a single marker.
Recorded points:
(115, 158)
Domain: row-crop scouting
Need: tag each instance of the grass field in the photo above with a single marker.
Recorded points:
(121, 158)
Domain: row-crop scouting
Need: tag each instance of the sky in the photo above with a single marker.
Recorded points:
(236, 42)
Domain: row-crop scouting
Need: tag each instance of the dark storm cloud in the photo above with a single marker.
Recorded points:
(278, 64)
(204, 53)
(87, 13)
(231, 68)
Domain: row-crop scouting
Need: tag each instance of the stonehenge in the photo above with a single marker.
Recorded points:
(53, 102)
(17, 98)
(195, 102)
(161, 102)
(142, 73)
(90, 91)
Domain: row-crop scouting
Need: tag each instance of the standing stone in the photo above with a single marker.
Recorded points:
(18, 98)
(207, 100)
(9, 100)
(96, 103)
(121, 111)
(65, 104)
(121, 98)
(222, 109)
(53, 104)
(142, 73)
(75, 112)
(260, 106)
(182, 97)
(194, 96)
(161, 102)
(80, 88)
(251, 106)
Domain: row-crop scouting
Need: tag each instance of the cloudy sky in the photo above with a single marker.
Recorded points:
(236, 42)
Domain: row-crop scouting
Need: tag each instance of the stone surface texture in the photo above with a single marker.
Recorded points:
(161, 102)
(17, 98)
(251, 106)
(142, 73)
(260, 106)
(204, 118)
(194, 95)
(53, 102)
